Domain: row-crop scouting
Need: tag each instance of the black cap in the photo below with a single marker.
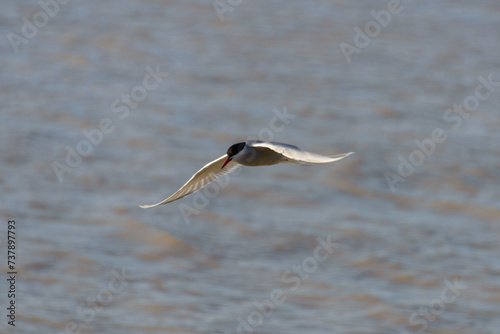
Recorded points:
(235, 149)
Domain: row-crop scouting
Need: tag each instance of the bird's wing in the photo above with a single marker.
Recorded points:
(210, 172)
(297, 155)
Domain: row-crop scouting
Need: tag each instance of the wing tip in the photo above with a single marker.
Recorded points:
(168, 200)
(148, 206)
(341, 155)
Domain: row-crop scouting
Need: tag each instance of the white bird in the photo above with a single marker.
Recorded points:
(249, 153)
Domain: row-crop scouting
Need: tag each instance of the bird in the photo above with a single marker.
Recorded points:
(248, 153)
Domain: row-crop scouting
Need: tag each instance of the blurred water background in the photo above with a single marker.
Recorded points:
(419, 256)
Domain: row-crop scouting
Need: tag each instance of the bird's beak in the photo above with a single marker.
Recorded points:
(225, 162)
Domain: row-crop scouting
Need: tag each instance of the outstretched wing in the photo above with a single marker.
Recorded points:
(210, 172)
(297, 155)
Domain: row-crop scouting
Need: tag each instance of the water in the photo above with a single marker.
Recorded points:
(421, 258)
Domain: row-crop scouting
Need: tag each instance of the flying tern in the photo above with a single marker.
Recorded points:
(249, 153)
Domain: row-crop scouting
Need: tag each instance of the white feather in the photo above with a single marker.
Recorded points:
(209, 173)
(297, 155)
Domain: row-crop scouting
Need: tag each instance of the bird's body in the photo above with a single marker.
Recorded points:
(249, 153)
(255, 155)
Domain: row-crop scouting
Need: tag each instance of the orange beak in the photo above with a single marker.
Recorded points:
(225, 162)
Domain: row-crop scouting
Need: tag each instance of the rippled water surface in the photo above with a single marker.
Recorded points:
(283, 249)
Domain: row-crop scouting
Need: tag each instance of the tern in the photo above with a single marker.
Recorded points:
(249, 153)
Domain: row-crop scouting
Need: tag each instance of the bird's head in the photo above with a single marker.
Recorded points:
(232, 151)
